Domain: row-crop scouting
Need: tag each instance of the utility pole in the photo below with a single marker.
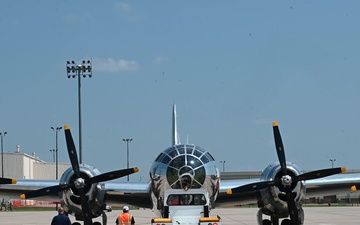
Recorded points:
(223, 165)
(128, 140)
(57, 129)
(2, 153)
(332, 162)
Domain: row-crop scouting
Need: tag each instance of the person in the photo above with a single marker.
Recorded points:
(61, 218)
(125, 218)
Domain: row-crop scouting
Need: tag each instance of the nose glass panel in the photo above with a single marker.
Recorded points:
(186, 167)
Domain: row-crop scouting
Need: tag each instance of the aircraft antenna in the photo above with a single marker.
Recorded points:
(175, 140)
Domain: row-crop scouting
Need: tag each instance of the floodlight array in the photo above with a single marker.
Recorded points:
(84, 69)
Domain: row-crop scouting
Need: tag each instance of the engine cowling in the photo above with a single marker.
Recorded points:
(272, 200)
(95, 192)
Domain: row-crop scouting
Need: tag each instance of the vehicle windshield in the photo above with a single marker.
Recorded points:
(186, 199)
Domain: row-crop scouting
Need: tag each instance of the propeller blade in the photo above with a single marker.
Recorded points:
(85, 208)
(253, 187)
(7, 181)
(279, 147)
(72, 150)
(319, 173)
(292, 208)
(355, 187)
(46, 191)
(112, 175)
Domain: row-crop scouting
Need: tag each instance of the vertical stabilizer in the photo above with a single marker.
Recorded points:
(175, 136)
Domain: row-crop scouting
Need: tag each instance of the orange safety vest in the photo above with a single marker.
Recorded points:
(124, 219)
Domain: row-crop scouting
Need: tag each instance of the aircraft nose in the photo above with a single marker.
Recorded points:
(186, 181)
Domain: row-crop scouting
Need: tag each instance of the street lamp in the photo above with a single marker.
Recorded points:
(53, 152)
(332, 162)
(57, 129)
(82, 70)
(128, 140)
(2, 153)
(223, 165)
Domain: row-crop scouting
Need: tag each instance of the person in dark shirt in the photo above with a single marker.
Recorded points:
(61, 218)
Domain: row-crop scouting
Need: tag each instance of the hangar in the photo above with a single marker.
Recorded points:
(19, 165)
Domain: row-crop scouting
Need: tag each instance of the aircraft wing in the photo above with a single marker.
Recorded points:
(14, 191)
(129, 193)
(332, 185)
(225, 199)
(116, 193)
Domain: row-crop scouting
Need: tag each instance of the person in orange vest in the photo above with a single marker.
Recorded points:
(125, 218)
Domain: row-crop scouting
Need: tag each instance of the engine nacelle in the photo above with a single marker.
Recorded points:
(272, 200)
(95, 193)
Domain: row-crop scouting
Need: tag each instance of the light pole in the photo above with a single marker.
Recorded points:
(2, 153)
(332, 162)
(84, 70)
(53, 152)
(57, 129)
(127, 140)
(223, 165)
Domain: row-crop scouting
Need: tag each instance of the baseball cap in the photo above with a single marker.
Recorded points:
(126, 208)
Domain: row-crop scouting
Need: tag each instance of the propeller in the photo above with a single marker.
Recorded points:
(286, 180)
(7, 181)
(355, 187)
(79, 183)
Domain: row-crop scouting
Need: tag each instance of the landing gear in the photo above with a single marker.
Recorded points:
(274, 220)
(286, 222)
(104, 218)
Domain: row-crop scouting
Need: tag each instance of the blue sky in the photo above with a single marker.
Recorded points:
(231, 67)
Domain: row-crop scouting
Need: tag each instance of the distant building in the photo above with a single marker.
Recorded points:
(18, 165)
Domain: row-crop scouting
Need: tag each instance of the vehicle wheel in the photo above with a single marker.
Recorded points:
(286, 222)
(266, 222)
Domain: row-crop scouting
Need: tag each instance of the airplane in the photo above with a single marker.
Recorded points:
(280, 192)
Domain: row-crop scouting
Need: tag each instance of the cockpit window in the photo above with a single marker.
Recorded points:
(186, 170)
(173, 153)
(210, 157)
(166, 159)
(204, 159)
(181, 150)
(193, 162)
(186, 199)
(189, 151)
(178, 161)
(197, 153)
(158, 159)
(207, 157)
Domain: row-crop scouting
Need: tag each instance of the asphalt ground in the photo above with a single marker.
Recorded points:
(230, 216)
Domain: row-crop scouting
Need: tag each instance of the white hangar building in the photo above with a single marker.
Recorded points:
(19, 165)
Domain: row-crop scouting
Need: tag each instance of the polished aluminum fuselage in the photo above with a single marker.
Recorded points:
(183, 167)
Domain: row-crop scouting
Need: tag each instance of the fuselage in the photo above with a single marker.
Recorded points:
(183, 166)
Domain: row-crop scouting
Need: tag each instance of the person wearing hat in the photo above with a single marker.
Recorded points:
(61, 218)
(125, 218)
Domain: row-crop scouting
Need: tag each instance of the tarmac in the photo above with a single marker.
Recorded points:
(230, 216)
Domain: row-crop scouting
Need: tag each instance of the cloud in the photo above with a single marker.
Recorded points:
(122, 7)
(112, 65)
